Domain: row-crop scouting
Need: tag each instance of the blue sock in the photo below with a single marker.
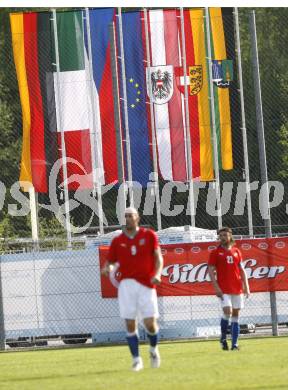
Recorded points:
(224, 328)
(153, 339)
(133, 343)
(235, 330)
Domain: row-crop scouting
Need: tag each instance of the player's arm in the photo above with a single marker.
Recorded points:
(245, 282)
(158, 266)
(243, 276)
(107, 268)
(112, 258)
(212, 274)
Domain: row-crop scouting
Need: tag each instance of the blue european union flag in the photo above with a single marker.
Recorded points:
(136, 96)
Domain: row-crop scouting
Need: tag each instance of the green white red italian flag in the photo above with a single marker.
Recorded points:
(45, 111)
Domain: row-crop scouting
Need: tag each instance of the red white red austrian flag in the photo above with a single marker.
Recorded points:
(160, 83)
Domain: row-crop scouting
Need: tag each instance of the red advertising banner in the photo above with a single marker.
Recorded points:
(185, 269)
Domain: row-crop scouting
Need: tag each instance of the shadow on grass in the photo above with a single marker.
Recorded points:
(263, 387)
(53, 376)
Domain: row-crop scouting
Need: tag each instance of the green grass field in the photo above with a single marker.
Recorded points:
(261, 364)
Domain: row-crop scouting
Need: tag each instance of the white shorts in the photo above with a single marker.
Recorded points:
(236, 301)
(136, 299)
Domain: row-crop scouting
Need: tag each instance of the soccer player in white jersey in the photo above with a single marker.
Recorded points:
(137, 251)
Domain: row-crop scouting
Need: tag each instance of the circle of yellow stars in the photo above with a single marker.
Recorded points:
(138, 93)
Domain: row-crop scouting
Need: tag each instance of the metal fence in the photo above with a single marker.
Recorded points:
(102, 93)
(55, 297)
(93, 101)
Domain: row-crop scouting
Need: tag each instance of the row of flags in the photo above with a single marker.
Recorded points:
(69, 102)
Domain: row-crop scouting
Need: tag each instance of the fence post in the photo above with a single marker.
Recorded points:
(262, 153)
(243, 125)
(2, 324)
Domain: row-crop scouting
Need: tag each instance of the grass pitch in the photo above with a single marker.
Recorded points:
(261, 364)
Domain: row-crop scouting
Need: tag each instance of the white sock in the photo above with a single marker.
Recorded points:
(154, 349)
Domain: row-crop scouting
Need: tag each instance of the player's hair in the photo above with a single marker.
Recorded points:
(227, 230)
(131, 210)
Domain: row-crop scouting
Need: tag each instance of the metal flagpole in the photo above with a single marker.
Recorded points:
(127, 136)
(243, 120)
(2, 319)
(187, 123)
(262, 153)
(260, 122)
(95, 151)
(117, 118)
(214, 133)
(154, 150)
(34, 215)
(59, 122)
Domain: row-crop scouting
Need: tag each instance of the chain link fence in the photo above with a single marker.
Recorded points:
(82, 80)
(55, 297)
(83, 104)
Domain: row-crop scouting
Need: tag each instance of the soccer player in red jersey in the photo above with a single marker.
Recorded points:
(229, 280)
(137, 251)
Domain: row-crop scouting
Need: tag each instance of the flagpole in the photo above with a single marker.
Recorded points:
(262, 154)
(154, 149)
(243, 120)
(260, 123)
(187, 123)
(95, 150)
(125, 102)
(117, 119)
(214, 133)
(59, 122)
(34, 215)
(2, 319)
